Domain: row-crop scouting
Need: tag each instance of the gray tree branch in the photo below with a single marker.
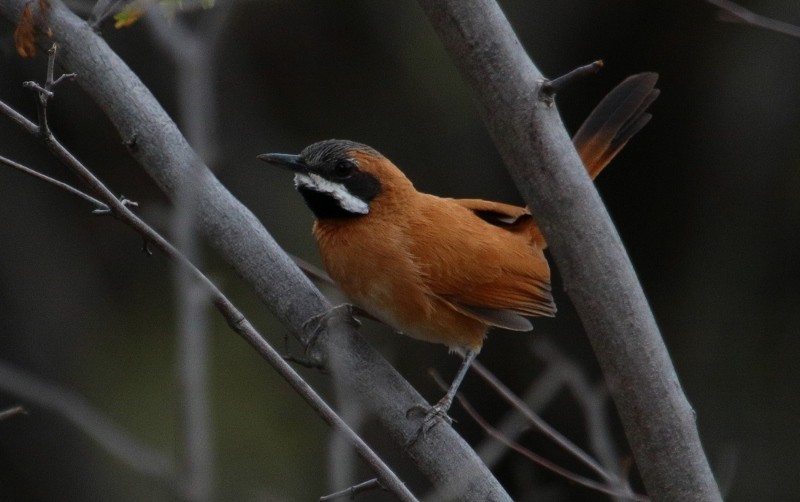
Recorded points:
(192, 51)
(597, 273)
(235, 233)
(234, 317)
(73, 407)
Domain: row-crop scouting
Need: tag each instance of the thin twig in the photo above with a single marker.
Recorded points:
(592, 398)
(73, 407)
(238, 323)
(60, 184)
(540, 424)
(533, 457)
(232, 315)
(234, 232)
(735, 13)
(541, 392)
(354, 490)
(552, 87)
(14, 410)
(597, 272)
(101, 11)
(45, 92)
(192, 47)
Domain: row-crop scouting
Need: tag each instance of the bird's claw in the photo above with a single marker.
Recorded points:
(318, 326)
(432, 416)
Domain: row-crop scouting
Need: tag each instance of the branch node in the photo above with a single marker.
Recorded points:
(101, 211)
(550, 88)
(45, 92)
(127, 202)
(132, 142)
(30, 84)
(65, 77)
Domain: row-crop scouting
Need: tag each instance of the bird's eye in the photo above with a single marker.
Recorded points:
(344, 168)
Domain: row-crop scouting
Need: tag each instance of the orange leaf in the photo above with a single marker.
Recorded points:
(25, 34)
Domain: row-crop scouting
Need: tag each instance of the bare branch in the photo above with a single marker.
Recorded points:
(235, 319)
(235, 233)
(597, 272)
(540, 424)
(102, 10)
(13, 411)
(552, 87)
(561, 373)
(735, 13)
(60, 184)
(119, 207)
(45, 92)
(193, 51)
(593, 399)
(354, 490)
(533, 457)
(93, 423)
(541, 391)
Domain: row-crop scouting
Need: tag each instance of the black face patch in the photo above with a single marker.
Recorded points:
(363, 185)
(333, 161)
(324, 205)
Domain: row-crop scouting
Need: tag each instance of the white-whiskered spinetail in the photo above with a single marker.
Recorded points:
(438, 269)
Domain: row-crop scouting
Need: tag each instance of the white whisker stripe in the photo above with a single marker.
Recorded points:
(348, 201)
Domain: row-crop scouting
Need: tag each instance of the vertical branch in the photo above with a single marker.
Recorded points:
(192, 53)
(74, 408)
(236, 234)
(598, 275)
(341, 462)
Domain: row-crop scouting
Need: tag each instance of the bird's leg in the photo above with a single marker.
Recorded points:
(438, 411)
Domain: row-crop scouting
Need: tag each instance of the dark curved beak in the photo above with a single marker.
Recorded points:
(292, 162)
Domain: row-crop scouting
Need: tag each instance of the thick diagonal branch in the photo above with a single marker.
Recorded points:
(239, 238)
(597, 273)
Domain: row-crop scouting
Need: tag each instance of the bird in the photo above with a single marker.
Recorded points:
(439, 269)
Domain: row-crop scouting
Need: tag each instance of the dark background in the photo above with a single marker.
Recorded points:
(706, 199)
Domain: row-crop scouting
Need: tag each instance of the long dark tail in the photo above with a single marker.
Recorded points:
(615, 120)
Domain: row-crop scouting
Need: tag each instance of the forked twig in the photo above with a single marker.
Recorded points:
(60, 184)
(45, 92)
(236, 320)
(538, 459)
(541, 425)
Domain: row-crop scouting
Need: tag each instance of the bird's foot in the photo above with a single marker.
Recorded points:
(432, 415)
(318, 326)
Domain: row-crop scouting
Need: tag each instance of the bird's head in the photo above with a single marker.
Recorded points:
(339, 178)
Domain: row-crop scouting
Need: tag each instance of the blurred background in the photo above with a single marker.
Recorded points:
(706, 199)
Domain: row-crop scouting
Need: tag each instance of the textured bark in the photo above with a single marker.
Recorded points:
(236, 234)
(597, 273)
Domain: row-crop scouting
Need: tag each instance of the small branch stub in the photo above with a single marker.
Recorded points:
(45, 92)
(550, 88)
